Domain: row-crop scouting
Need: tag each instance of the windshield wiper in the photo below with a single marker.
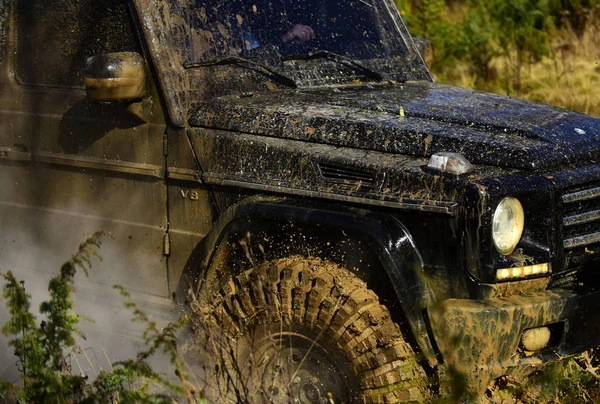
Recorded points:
(234, 60)
(345, 60)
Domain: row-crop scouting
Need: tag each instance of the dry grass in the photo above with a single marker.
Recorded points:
(569, 78)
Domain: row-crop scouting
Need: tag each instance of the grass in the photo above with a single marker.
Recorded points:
(569, 78)
(572, 380)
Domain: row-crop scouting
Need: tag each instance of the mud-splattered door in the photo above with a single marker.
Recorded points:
(68, 165)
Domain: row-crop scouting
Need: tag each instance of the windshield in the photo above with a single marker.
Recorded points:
(207, 49)
(226, 28)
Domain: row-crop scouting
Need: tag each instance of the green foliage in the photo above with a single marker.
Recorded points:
(42, 348)
(524, 27)
(571, 380)
(428, 19)
(423, 16)
(39, 347)
(165, 339)
(479, 42)
(574, 14)
(475, 32)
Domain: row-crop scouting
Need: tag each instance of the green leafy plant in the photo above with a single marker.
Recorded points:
(574, 14)
(542, 50)
(42, 347)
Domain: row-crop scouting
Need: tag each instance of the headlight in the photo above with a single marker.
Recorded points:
(508, 223)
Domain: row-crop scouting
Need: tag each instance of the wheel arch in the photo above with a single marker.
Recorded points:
(292, 227)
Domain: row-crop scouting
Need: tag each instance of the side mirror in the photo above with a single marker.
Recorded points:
(117, 76)
(424, 48)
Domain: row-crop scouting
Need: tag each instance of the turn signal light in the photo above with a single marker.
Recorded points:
(452, 163)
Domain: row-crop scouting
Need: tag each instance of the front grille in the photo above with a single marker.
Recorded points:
(581, 223)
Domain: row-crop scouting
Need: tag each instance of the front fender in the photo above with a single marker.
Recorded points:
(389, 239)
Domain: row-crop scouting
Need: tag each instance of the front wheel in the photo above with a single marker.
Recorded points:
(306, 331)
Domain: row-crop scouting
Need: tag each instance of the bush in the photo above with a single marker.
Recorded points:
(42, 347)
(512, 46)
(574, 14)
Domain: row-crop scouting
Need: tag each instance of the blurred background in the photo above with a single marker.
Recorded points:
(542, 50)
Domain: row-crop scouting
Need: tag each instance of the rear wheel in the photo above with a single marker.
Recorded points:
(306, 331)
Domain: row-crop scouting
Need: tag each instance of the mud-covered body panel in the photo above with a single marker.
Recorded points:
(70, 166)
(415, 119)
(482, 339)
(299, 168)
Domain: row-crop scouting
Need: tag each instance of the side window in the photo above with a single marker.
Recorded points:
(55, 37)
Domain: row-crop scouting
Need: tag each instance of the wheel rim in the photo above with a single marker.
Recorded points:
(296, 368)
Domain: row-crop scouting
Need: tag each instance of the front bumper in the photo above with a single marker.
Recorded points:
(480, 339)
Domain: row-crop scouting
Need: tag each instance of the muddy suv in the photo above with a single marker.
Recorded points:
(290, 172)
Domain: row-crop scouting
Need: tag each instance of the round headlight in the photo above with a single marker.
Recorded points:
(508, 223)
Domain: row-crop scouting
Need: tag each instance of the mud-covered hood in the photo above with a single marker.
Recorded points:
(416, 119)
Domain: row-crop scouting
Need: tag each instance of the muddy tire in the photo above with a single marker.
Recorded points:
(307, 331)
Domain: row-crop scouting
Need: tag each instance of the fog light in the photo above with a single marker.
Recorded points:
(535, 339)
(514, 273)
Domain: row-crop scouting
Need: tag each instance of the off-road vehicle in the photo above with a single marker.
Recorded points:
(289, 171)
